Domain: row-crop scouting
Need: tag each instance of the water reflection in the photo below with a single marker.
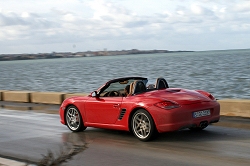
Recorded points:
(39, 108)
(179, 139)
(75, 138)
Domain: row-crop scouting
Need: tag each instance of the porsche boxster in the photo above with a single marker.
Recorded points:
(131, 104)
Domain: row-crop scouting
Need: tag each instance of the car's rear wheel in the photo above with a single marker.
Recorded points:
(143, 125)
(74, 119)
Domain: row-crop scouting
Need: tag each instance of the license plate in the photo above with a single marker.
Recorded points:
(201, 113)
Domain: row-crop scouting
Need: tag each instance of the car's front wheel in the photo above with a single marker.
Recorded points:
(143, 125)
(74, 119)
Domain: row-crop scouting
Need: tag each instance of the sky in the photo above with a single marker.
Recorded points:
(44, 26)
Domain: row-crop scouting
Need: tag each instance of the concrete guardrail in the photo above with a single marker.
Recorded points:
(36, 97)
(74, 94)
(46, 97)
(229, 107)
(17, 96)
(235, 107)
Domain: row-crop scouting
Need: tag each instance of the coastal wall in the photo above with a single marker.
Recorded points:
(36, 97)
(235, 107)
(229, 107)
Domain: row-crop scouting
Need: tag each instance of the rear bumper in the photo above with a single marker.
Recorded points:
(186, 124)
(181, 118)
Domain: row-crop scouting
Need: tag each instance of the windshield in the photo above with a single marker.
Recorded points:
(118, 86)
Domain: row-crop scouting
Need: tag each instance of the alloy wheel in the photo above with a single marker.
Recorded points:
(141, 125)
(73, 119)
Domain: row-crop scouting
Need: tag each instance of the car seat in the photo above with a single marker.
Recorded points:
(161, 83)
(137, 87)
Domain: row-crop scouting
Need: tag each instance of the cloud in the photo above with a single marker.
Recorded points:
(200, 10)
(109, 21)
(10, 19)
(242, 7)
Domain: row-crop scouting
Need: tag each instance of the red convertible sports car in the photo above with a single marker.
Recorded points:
(130, 104)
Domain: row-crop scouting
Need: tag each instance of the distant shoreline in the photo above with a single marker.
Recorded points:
(53, 55)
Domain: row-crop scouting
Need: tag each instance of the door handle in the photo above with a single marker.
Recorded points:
(116, 105)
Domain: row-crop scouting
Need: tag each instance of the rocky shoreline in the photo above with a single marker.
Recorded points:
(9, 57)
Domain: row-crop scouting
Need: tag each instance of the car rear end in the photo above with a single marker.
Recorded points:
(181, 108)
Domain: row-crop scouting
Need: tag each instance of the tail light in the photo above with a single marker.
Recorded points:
(167, 105)
(210, 96)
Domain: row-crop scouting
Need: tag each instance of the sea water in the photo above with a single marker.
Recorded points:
(225, 74)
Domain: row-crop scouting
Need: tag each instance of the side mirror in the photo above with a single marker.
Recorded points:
(94, 94)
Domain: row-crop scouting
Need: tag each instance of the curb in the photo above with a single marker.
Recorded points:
(8, 162)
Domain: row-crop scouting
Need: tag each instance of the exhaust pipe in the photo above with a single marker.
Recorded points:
(203, 124)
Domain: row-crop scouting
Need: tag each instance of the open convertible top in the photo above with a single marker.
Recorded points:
(126, 78)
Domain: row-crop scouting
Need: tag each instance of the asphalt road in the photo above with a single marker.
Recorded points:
(27, 135)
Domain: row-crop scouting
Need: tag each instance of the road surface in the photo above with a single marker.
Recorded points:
(26, 135)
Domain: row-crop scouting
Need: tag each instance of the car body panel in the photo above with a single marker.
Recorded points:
(103, 110)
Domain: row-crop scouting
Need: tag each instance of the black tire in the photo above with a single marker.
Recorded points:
(74, 119)
(142, 125)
